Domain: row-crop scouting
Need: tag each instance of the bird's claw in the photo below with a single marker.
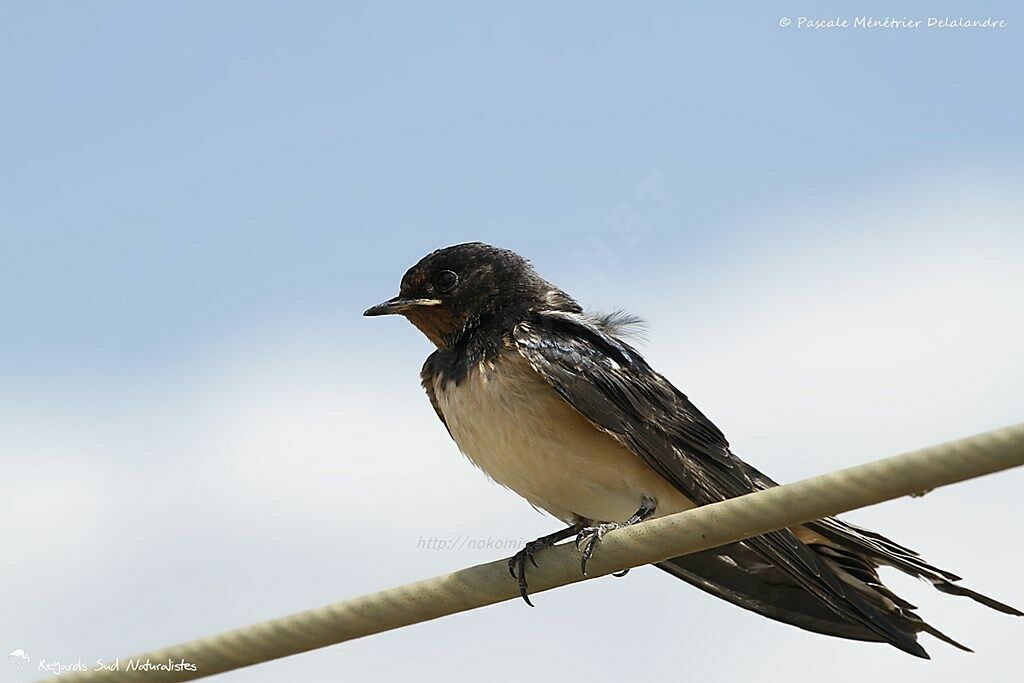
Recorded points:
(517, 563)
(517, 567)
(587, 539)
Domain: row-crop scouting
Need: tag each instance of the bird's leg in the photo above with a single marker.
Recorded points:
(587, 538)
(517, 563)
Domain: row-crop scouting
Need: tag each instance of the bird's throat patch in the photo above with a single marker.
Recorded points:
(436, 322)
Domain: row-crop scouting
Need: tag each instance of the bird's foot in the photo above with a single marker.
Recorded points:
(587, 539)
(517, 563)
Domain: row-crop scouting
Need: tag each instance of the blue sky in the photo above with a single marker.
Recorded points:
(199, 199)
(176, 168)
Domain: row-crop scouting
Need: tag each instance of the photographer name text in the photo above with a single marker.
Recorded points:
(893, 23)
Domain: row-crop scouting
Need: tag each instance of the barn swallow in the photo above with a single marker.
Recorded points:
(554, 404)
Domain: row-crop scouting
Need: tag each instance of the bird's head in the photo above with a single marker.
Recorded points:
(456, 289)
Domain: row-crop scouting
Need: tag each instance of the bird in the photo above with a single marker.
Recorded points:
(554, 403)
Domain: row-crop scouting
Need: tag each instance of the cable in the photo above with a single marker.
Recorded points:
(660, 539)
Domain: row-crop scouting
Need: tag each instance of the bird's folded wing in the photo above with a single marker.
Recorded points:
(427, 382)
(613, 386)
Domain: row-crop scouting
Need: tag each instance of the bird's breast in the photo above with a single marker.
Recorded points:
(517, 429)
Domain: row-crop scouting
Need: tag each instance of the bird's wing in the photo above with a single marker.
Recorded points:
(427, 375)
(611, 385)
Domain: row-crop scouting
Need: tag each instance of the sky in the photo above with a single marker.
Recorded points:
(824, 230)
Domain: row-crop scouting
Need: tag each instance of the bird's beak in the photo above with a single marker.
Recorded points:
(399, 305)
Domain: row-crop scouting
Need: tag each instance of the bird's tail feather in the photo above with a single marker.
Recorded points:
(738, 574)
(955, 589)
(857, 540)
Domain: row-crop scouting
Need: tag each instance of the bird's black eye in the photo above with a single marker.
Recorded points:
(445, 280)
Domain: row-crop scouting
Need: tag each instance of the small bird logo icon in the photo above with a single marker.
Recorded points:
(19, 657)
